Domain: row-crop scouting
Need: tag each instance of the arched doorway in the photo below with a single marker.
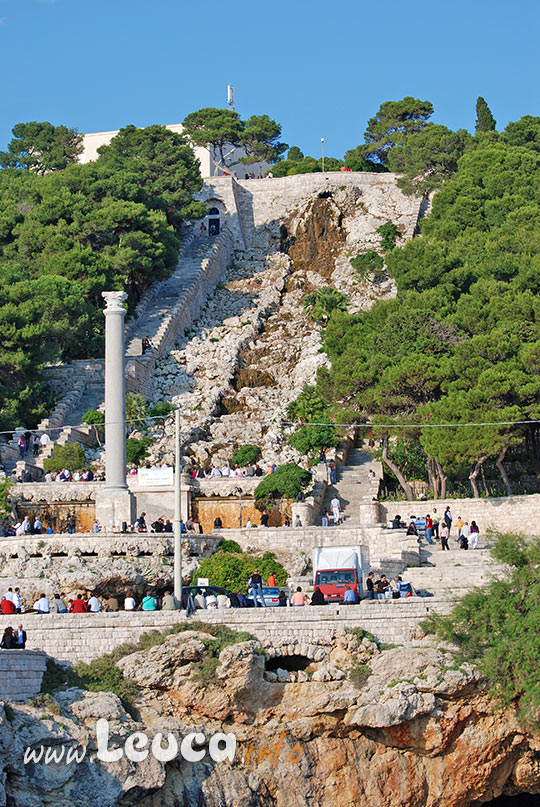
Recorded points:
(213, 221)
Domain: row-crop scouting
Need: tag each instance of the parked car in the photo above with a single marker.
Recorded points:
(270, 594)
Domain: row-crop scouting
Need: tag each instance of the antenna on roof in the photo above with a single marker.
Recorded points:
(230, 96)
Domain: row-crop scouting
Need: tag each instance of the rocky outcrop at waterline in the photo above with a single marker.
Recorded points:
(335, 724)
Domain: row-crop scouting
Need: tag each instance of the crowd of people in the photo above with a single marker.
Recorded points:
(440, 527)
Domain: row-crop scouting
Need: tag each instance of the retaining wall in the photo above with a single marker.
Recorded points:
(21, 672)
(507, 513)
(83, 637)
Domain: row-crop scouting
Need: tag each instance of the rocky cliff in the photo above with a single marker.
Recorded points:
(334, 725)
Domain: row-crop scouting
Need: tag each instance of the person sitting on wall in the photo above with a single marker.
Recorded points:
(218, 524)
(8, 640)
(78, 606)
(411, 529)
(350, 596)
(7, 606)
(42, 605)
(317, 598)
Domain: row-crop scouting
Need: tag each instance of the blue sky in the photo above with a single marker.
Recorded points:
(321, 69)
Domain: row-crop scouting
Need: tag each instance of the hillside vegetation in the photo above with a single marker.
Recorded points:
(461, 342)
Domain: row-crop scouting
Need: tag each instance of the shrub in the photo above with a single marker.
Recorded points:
(161, 410)
(246, 455)
(366, 264)
(47, 702)
(319, 304)
(9, 713)
(388, 232)
(137, 450)
(286, 482)
(228, 546)
(70, 456)
(232, 570)
(359, 674)
(5, 504)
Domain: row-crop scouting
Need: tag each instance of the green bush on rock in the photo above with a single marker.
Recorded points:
(286, 483)
(232, 570)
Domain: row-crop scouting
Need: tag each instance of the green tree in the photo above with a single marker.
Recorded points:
(427, 158)
(388, 232)
(70, 456)
(286, 483)
(136, 410)
(308, 407)
(260, 138)
(214, 127)
(41, 147)
(394, 121)
(310, 439)
(137, 450)
(232, 570)
(524, 132)
(294, 155)
(318, 305)
(496, 627)
(485, 122)
(96, 419)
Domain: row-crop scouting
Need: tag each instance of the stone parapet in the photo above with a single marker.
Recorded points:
(83, 637)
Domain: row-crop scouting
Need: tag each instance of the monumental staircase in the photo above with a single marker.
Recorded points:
(354, 484)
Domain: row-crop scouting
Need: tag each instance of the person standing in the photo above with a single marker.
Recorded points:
(332, 468)
(335, 504)
(429, 528)
(474, 533)
(436, 521)
(20, 638)
(444, 533)
(256, 583)
(448, 520)
(370, 587)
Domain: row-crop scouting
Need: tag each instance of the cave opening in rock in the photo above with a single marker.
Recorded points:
(521, 800)
(289, 663)
(325, 195)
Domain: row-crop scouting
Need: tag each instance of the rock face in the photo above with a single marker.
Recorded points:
(406, 726)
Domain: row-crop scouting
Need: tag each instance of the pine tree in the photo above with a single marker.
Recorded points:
(485, 122)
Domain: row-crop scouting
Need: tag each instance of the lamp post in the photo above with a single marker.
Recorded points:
(322, 148)
(177, 510)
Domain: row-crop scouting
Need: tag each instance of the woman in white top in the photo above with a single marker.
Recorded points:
(129, 603)
(222, 600)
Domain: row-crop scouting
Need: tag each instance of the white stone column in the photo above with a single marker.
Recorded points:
(114, 503)
(115, 392)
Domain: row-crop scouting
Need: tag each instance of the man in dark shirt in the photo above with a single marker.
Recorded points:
(370, 587)
(381, 586)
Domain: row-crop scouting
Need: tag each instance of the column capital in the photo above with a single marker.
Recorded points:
(115, 301)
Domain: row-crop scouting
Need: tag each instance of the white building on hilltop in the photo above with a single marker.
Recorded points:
(209, 159)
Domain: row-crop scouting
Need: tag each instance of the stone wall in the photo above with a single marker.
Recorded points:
(83, 637)
(21, 673)
(512, 513)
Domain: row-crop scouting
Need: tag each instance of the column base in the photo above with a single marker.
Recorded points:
(114, 506)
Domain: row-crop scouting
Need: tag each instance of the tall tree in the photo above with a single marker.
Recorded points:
(41, 147)
(485, 122)
(391, 125)
(214, 127)
(260, 138)
(427, 158)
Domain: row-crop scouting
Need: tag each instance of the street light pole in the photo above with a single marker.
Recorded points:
(177, 510)
(322, 147)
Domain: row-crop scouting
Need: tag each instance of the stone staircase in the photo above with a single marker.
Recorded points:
(353, 483)
(452, 574)
(167, 295)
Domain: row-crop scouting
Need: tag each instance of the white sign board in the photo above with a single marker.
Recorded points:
(203, 581)
(155, 477)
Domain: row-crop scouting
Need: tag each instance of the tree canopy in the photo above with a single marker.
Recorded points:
(65, 235)
(459, 344)
(41, 147)
(394, 121)
(485, 122)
